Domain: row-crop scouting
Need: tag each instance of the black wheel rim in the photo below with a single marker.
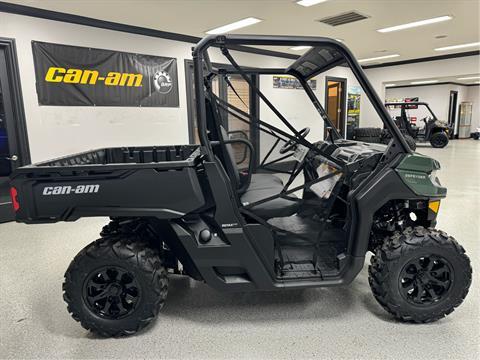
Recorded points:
(111, 292)
(438, 140)
(426, 280)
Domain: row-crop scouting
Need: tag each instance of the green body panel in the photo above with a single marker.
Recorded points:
(418, 173)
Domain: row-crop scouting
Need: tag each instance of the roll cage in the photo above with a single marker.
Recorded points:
(411, 105)
(324, 55)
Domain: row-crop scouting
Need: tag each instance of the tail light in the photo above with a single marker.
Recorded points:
(13, 195)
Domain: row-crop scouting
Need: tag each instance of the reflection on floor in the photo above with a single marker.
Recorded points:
(198, 322)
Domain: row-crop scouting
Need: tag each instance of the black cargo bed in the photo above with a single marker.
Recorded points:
(160, 181)
(171, 157)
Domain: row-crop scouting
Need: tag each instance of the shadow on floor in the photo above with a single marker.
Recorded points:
(199, 303)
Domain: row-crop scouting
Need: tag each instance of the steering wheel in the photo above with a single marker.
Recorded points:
(290, 144)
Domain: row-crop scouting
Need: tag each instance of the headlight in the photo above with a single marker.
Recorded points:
(433, 178)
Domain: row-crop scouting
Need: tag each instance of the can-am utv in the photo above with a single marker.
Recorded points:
(433, 130)
(188, 209)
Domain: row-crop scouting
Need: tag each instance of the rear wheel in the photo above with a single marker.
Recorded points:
(439, 139)
(420, 275)
(115, 286)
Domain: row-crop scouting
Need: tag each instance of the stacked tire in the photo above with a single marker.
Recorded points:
(367, 134)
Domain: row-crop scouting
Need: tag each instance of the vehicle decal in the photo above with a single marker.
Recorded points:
(67, 190)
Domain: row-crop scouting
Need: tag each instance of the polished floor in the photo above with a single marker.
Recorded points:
(198, 322)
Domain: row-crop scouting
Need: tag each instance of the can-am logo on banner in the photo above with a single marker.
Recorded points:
(79, 76)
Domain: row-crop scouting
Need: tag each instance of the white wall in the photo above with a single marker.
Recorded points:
(424, 70)
(56, 130)
(295, 105)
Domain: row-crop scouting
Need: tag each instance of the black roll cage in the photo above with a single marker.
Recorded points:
(406, 106)
(201, 59)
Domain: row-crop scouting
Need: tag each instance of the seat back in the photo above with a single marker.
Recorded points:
(224, 151)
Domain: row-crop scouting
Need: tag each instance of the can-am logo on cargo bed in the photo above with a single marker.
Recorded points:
(92, 77)
(66, 190)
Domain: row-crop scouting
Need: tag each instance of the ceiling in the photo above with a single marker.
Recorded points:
(464, 79)
(285, 17)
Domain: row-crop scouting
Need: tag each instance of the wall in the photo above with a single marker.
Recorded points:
(297, 108)
(424, 70)
(55, 130)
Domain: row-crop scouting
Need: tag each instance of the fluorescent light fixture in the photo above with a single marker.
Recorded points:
(461, 46)
(379, 58)
(423, 82)
(234, 26)
(308, 3)
(469, 78)
(298, 48)
(415, 24)
(390, 85)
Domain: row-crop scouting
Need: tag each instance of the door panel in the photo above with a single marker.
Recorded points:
(335, 103)
(6, 211)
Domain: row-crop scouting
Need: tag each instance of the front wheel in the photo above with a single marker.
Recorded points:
(420, 275)
(439, 140)
(115, 286)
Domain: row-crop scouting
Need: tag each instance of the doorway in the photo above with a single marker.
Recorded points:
(452, 113)
(245, 99)
(13, 139)
(335, 99)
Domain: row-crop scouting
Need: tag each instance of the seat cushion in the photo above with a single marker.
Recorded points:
(263, 186)
(264, 181)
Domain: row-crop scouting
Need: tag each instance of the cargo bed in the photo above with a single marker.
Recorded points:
(156, 181)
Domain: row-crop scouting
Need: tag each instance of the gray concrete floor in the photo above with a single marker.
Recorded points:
(198, 322)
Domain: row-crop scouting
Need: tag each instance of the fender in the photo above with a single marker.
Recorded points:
(383, 187)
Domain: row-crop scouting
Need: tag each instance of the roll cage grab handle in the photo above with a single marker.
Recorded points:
(200, 58)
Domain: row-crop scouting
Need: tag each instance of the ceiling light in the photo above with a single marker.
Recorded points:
(307, 3)
(415, 24)
(390, 85)
(379, 58)
(297, 48)
(234, 26)
(469, 78)
(453, 47)
(424, 82)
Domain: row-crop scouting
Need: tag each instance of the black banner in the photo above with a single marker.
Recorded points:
(79, 76)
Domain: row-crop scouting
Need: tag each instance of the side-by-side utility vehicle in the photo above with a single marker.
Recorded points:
(189, 210)
(412, 113)
(406, 115)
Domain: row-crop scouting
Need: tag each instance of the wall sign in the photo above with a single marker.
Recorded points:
(290, 82)
(78, 76)
(353, 109)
